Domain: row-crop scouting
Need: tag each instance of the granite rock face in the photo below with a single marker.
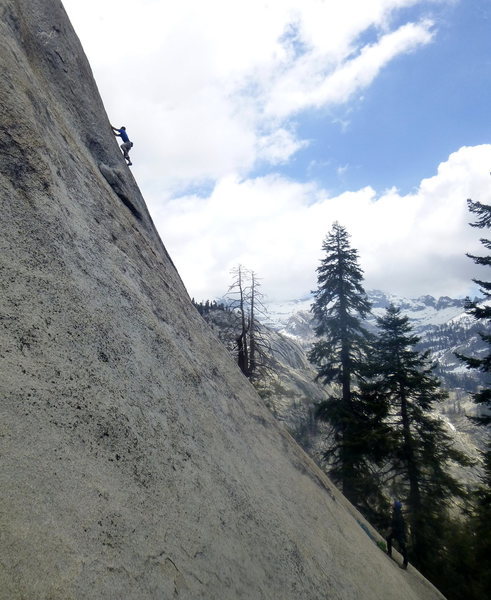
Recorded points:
(136, 461)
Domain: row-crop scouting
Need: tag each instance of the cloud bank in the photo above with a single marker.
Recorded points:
(411, 244)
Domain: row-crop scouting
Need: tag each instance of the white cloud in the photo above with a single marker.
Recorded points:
(313, 82)
(279, 146)
(209, 88)
(408, 244)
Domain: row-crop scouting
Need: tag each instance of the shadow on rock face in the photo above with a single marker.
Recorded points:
(114, 177)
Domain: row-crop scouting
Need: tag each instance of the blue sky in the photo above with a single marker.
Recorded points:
(422, 107)
(256, 125)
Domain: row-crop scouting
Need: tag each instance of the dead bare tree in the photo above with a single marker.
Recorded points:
(247, 302)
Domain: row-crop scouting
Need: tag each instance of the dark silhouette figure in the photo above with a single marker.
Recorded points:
(398, 533)
(126, 145)
(241, 357)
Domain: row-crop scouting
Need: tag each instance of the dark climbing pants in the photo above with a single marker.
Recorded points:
(401, 542)
(126, 147)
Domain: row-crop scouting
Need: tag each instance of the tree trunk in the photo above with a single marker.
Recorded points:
(252, 333)
(346, 458)
(412, 473)
(243, 336)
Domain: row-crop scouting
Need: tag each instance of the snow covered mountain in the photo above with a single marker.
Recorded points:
(442, 324)
(424, 312)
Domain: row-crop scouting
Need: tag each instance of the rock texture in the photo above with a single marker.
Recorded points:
(136, 462)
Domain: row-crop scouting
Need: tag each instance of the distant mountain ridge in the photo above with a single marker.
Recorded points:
(422, 311)
(442, 324)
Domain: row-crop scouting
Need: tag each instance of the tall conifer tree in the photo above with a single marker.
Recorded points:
(421, 449)
(339, 308)
(482, 312)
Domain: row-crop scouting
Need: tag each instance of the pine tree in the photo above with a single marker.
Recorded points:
(482, 313)
(421, 449)
(340, 306)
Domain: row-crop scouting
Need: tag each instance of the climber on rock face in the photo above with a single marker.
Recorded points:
(126, 145)
(398, 532)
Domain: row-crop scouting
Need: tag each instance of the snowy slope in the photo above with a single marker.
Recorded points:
(423, 312)
(442, 324)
